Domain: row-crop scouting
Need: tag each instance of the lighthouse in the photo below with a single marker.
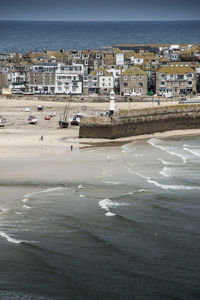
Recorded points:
(112, 103)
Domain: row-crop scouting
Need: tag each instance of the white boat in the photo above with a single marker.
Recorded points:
(2, 122)
(32, 120)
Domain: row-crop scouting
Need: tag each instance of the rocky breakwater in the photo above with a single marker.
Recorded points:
(141, 121)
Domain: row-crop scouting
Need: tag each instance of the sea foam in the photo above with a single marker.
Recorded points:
(166, 149)
(166, 172)
(173, 187)
(107, 204)
(194, 151)
(10, 239)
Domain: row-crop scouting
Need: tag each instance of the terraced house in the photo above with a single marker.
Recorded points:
(175, 81)
(105, 80)
(42, 78)
(133, 81)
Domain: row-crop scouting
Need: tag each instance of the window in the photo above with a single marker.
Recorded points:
(190, 82)
(162, 83)
(140, 91)
(125, 77)
(132, 77)
(140, 77)
(180, 76)
(86, 62)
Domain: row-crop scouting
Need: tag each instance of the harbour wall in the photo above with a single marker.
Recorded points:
(84, 98)
(141, 121)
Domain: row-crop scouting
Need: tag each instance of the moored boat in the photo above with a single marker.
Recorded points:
(32, 120)
(2, 122)
(64, 122)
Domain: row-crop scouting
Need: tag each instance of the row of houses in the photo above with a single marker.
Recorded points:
(125, 71)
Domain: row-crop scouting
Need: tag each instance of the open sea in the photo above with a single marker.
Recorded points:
(103, 223)
(24, 36)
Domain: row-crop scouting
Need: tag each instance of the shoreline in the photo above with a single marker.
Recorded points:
(127, 140)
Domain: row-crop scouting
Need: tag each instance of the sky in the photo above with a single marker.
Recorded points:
(109, 10)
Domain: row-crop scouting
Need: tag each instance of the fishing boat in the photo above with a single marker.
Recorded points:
(64, 122)
(2, 122)
(32, 120)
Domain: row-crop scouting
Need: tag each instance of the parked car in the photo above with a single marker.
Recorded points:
(17, 91)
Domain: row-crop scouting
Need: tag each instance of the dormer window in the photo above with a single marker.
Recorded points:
(125, 77)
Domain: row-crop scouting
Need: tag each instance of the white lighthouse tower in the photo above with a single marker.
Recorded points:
(112, 103)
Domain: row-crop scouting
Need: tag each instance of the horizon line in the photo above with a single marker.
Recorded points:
(75, 20)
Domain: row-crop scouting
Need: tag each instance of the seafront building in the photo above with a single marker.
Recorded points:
(133, 82)
(175, 81)
(42, 78)
(129, 70)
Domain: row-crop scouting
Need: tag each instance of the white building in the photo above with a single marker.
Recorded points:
(119, 59)
(106, 80)
(69, 79)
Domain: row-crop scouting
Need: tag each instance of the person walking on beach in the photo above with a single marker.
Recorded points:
(71, 147)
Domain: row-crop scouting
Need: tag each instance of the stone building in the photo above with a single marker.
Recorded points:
(42, 78)
(90, 84)
(105, 80)
(4, 83)
(175, 81)
(133, 81)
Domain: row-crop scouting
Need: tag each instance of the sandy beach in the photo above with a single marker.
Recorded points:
(19, 139)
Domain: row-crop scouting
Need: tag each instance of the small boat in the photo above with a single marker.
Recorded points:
(52, 114)
(47, 118)
(40, 108)
(32, 120)
(2, 122)
(75, 121)
(64, 122)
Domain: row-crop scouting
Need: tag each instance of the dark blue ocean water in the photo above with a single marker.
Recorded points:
(23, 36)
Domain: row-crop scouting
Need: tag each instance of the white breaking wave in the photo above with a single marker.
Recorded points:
(173, 187)
(81, 186)
(167, 163)
(82, 196)
(112, 182)
(10, 239)
(3, 210)
(109, 157)
(141, 191)
(166, 172)
(18, 213)
(28, 196)
(107, 204)
(193, 151)
(110, 214)
(26, 206)
(166, 149)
